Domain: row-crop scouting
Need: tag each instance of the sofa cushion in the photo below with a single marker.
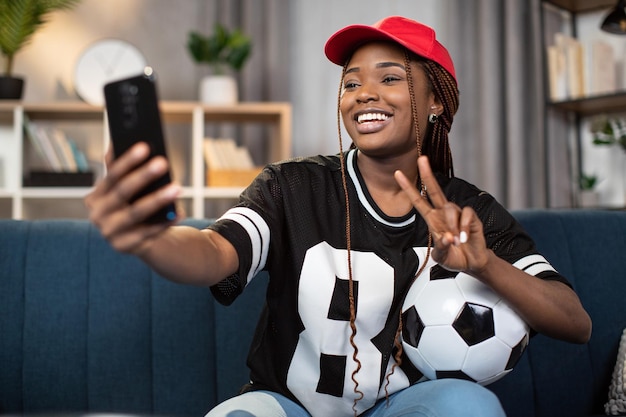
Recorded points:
(84, 328)
(588, 248)
(12, 257)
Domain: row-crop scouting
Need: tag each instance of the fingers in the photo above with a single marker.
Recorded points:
(444, 219)
(419, 202)
(122, 215)
(116, 169)
(467, 217)
(124, 179)
(108, 156)
(433, 189)
(109, 204)
(451, 215)
(459, 242)
(435, 194)
(119, 167)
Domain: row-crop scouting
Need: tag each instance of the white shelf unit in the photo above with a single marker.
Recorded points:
(573, 113)
(19, 202)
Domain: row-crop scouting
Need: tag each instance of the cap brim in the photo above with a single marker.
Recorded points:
(341, 44)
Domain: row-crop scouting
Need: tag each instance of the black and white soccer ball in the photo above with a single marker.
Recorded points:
(454, 326)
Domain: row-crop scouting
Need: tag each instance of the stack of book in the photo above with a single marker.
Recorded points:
(228, 165)
(62, 162)
(577, 70)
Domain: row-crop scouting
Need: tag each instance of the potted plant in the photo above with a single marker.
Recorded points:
(607, 131)
(19, 20)
(588, 196)
(225, 52)
(611, 131)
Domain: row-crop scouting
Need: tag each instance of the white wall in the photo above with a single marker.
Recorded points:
(157, 27)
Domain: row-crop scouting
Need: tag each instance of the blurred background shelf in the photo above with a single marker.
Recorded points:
(186, 123)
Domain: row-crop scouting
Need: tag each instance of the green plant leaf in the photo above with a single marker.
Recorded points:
(587, 181)
(196, 45)
(221, 48)
(20, 19)
(239, 47)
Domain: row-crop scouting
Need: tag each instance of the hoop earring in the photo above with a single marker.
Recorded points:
(432, 118)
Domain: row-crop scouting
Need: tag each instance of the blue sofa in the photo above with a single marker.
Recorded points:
(86, 329)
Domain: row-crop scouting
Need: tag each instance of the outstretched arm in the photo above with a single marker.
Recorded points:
(180, 253)
(550, 307)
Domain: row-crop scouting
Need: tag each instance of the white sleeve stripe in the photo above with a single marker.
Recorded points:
(534, 265)
(526, 261)
(539, 268)
(259, 234)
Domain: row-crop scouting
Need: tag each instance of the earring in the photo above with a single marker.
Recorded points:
(432, 118)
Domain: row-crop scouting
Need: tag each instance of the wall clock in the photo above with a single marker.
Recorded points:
(104, 61)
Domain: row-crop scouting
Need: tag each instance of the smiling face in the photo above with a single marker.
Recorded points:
(376, 104)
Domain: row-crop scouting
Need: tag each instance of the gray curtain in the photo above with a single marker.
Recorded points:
(264, 76)
(497, 137)
(267, 23)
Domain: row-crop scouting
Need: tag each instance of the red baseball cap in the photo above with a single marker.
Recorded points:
(414, 36)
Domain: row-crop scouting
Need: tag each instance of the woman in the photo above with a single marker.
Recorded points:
(343, 238)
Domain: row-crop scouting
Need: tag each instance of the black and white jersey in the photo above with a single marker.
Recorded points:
(291, 221)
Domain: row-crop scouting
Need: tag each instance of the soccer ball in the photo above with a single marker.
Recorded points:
(454, 326)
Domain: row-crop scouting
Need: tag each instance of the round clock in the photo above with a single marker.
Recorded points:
(104, 61)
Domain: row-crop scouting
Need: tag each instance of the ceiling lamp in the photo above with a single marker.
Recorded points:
(615, 21)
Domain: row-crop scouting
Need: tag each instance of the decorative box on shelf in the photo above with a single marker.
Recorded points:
(231, 177)
(58, 179)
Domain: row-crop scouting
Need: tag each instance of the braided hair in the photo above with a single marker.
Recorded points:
(436, 146)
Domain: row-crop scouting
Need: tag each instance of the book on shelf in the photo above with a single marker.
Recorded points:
(82, 164)
(556, 73)
(63, 150)
(602, 68)
(56, 152)
(566, 68)
(576, 68)
(580, 69)
(212, 154)
(42, 145)
(228, 164)
(225, 154)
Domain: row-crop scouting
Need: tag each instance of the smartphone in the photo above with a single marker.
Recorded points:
(133, 114)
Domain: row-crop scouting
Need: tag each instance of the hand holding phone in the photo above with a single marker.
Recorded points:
(133, 116)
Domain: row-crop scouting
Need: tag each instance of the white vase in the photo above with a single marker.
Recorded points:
(588, 198)
(218, 89)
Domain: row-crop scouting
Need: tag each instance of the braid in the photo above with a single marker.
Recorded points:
(344, 182)
(416, 125)
(438, 147)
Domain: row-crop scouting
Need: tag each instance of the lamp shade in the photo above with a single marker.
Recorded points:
(615, 21)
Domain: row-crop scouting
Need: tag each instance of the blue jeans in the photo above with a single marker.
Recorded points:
(438, 398)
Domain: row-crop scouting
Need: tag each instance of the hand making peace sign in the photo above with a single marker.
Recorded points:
(459, 243)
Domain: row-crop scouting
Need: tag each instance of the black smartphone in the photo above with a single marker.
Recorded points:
(133, 114)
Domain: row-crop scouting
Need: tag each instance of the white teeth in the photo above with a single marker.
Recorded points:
(368, 117)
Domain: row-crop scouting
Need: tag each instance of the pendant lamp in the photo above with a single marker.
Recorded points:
(615, 21)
